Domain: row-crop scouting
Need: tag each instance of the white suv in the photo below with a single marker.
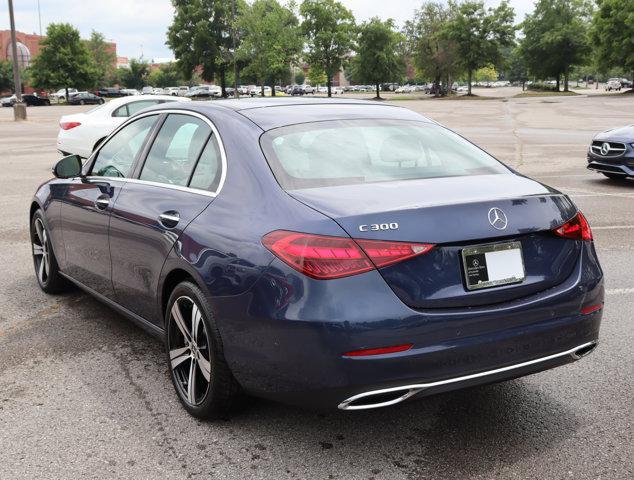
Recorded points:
(613, 84)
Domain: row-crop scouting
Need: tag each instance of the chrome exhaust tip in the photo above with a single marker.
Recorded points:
(584, 350)
(378, 398)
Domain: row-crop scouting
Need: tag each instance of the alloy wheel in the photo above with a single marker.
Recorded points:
(41, 255)
(189, 352)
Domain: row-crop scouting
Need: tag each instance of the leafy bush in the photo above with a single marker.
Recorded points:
(542, 87)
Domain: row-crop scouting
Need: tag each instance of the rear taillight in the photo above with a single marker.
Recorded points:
(325, 257)
(69, 125)
(577, 228)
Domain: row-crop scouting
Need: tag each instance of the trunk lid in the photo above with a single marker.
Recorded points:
(453, 213)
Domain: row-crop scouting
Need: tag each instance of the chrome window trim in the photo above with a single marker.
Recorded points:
(223, 156)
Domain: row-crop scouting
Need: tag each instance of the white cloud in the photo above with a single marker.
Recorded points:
(140, 25)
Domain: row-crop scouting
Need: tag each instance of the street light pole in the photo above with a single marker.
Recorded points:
(19, 109)
(236, 94)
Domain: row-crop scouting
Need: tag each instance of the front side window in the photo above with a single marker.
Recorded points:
(132, 108)
(116, 157)
(365, 151)
(175, 150)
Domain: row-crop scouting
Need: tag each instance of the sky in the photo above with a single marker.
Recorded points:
(139, 26)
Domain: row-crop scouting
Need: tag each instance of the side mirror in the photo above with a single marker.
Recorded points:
(68, 167)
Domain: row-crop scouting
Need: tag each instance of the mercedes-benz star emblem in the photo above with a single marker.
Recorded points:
(497, 219)
(605, 148)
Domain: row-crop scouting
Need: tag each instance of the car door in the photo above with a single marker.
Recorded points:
(88, 202)
(175, 183)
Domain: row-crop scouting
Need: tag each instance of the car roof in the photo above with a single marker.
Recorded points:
(271, 112)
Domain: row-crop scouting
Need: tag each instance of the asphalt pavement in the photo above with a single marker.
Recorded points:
(85, 394)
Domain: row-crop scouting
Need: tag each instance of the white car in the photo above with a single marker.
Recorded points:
(337, 90)
(81, 133)
(182, 90)
(171, 91)
(147, 90)
(130, 91)
(60, 95)
(613, 84)
(322, 89)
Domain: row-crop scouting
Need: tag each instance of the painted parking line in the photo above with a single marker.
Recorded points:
(619, 291)
(612, 227)
(589, 193)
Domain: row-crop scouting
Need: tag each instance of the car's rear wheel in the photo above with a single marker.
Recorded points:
(202, 379)
(44, 261)
(81, 102)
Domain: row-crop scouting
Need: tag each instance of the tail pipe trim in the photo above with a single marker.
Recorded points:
(391, 396)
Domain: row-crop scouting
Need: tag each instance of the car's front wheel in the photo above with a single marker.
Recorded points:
(202, 379)
(44, 261)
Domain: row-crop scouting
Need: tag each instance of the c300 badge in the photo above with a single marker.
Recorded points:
(374, 227)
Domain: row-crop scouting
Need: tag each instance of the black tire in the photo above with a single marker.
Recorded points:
(81, 102)
(44, 261)
(101, 101)
(211, 398)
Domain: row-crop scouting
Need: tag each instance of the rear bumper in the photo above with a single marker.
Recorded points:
(284, 339)
(391, 396)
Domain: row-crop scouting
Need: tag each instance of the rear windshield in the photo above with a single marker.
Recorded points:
(346, 152)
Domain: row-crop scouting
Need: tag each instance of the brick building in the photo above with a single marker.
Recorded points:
(28, 48)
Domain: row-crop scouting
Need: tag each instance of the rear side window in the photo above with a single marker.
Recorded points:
(365, 151)
(206, 175)
(131, 108)
(175, 150)
(116, 157)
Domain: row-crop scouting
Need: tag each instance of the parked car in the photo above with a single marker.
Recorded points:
(8, 101)
(29, 99)
(60, 95)
(159, 91)
(321, 89)
(204, 92)
(309, 90)
(130, 91)
(625, 83)
(85, 98)
(357, 284)
(81, 133)
(613, 84)
(147, 90)
(109, 92)
(243, 90)
(337, 91)
(612, 153)
(171, 91)
(182, 90)
(296, 90)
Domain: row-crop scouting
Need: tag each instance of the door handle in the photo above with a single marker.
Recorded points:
(102, 202)
(169, 219)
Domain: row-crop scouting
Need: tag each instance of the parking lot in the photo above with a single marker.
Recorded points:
(86, 394)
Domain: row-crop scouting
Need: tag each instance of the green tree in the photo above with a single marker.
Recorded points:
(517, 71)
(480, 33)
(63, 61)
(300, 77)
(329, 31)
(270, 41)
(378, 60)
(135, 75)
(6, 75)
(434, 55)
(316, 76)
(612, 34)
(167, 75)
(202, 35)
(486, 74)
(556, 38)
(104, 59)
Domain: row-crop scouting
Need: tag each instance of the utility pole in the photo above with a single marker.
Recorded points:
(39, 15)
(233, 41)
(19, 109)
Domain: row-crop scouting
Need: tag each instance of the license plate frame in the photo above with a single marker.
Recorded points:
(473, 272)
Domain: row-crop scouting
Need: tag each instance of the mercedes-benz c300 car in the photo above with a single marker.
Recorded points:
(612, 153)
(330, 254)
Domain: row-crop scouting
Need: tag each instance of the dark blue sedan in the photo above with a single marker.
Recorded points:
(321, 253)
